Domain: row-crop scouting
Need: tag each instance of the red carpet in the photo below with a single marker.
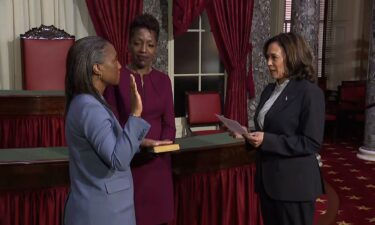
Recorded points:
(354, 182)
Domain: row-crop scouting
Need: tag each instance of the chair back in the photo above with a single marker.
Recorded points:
(202, 107)
(353, 96)
(44, 53)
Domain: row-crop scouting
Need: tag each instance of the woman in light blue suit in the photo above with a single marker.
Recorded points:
(100, 150)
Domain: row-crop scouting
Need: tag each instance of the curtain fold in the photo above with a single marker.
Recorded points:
(33, 207)
(185, 12)
(230, 23)
(224, 197)
(112, 19)
(32, 131)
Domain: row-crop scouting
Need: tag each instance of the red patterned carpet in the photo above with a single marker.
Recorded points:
(354, 182)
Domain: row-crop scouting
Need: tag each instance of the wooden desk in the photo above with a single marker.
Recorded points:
(42, 174)
(31, 119)
(30, 168)
(31, 103)
(27, 168)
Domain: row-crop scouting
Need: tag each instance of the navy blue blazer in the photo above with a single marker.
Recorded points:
(100, 151)
(287, 167)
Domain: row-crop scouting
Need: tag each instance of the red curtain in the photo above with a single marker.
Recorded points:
(112, 19)
(223, 197)
(184, 13)
(33, 207)
(32, 131)
(230, 23)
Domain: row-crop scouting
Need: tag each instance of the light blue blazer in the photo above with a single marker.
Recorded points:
(100, 151)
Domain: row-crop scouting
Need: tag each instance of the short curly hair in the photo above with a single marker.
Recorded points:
(147, 21)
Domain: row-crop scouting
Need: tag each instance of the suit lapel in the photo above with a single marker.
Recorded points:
(266, 95)
(284, 99)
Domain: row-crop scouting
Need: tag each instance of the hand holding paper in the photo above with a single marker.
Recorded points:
(232, 125)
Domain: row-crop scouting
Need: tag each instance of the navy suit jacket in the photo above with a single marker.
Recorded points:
(100, 151)
(293, 132)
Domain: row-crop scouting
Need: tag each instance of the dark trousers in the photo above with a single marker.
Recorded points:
(286, 213)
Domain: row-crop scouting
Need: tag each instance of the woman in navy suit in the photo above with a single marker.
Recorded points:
(289, 123)
(100, 150)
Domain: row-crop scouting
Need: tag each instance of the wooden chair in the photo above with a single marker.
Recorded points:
(44, 52)
(352, 103)
(331, 110)
(201, 110)
(331, 209)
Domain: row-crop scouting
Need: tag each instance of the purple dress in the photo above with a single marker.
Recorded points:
(153, 187)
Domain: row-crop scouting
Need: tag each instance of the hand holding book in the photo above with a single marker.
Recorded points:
(158, 146)
(151, 142)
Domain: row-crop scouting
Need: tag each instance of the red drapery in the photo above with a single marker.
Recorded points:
(224, 197)
(184, 13)
(33, 207)
(32, 131)
(230, 23)
(111, 20)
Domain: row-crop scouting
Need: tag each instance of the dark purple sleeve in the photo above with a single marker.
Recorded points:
(110, 97)
(168, 121)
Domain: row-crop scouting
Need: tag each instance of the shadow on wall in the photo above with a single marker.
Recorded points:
(346, 61)
(85, 17)
(15, 66)
(164, 15)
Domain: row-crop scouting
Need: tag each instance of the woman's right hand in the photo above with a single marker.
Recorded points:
(255, 138)
(136, 101)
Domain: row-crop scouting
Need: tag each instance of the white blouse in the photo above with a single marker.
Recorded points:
(275, 94)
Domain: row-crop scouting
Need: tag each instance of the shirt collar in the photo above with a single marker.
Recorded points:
(282, 86)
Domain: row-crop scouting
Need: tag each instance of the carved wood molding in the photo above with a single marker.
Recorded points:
(46, 32)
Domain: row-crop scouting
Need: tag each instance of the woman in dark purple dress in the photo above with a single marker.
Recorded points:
(153, 188)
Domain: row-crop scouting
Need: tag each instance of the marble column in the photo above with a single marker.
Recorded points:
(159, 9)
(367, 151)
(260, 33)
(305, 21)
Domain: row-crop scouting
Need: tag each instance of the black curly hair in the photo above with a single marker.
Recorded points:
(147, 21)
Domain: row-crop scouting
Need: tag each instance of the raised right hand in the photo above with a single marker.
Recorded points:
(136, 101)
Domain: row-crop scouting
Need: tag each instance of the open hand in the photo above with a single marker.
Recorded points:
(136, 101)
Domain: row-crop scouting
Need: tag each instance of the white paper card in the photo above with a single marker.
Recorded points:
(232, 125)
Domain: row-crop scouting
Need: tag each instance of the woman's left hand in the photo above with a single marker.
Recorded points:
(151, 142)
(235, 134)
(255, 138)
